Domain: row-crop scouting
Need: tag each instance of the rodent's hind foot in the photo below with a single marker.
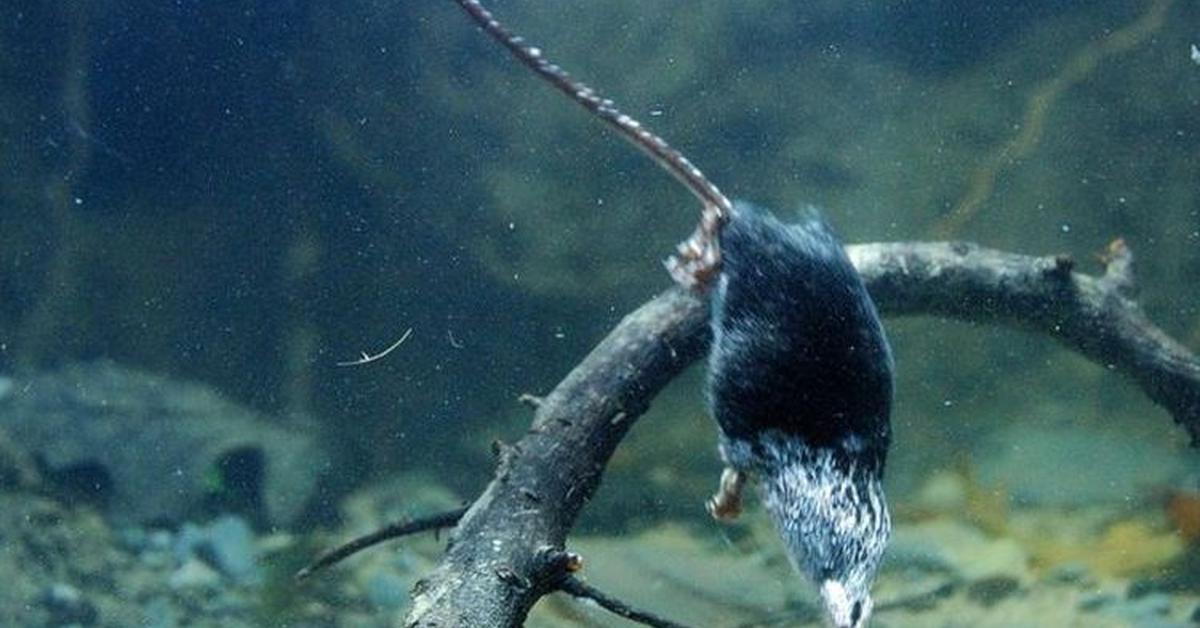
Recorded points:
(726, 504)
(697, 260)
(695, 263)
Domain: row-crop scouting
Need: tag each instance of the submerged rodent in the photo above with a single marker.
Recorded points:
(800, 382)
(800, 371)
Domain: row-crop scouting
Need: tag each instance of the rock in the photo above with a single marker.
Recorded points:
(154, 548)
(194, 574)
(1091, 602)
(1069, 573)
(226, 544)
(958, 548)
(160, 540)
(48, 553)
(153, 449)
(61, 565)
(992, 590)
(66, 605)
(945, 492)
(1148, 607)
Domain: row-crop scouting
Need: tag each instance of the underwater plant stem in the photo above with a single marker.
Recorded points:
(490, 574)
(1037, 109)
(44, 328)
(404, 528)
(577, 588)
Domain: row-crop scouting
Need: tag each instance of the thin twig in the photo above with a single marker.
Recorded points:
(367, 358)
(577, 588)
(331, 557)
(530, 400)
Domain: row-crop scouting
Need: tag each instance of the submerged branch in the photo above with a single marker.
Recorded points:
(491, 575)
(1094, 316)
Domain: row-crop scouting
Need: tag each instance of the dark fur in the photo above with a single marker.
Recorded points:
(798, 346)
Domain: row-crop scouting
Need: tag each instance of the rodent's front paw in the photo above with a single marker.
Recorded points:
(726, 505)
(724, 509)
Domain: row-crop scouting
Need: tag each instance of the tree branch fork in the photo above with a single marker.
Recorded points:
(507, 548)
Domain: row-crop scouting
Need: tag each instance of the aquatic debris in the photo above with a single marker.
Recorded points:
(987, 504)
(368, 358)
(1128, 548)
(1183, 510)
(958, 493)
(1105, 540)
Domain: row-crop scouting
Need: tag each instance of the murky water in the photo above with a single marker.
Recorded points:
(275, 274)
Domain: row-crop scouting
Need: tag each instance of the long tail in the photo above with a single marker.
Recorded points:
(698, 257)
(668, 158)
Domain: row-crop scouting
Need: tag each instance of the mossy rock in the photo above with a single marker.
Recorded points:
(149, 449)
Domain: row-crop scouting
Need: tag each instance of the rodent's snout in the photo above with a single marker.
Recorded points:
(843, 609)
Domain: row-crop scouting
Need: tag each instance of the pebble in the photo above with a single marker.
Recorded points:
(1142, 609)
(1166, 581)
(66, 605)
(944, 492)
(1069, 573)
(159, 540)
(227, 544)
(988, 592)
(1092, 602)
(194, 574)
